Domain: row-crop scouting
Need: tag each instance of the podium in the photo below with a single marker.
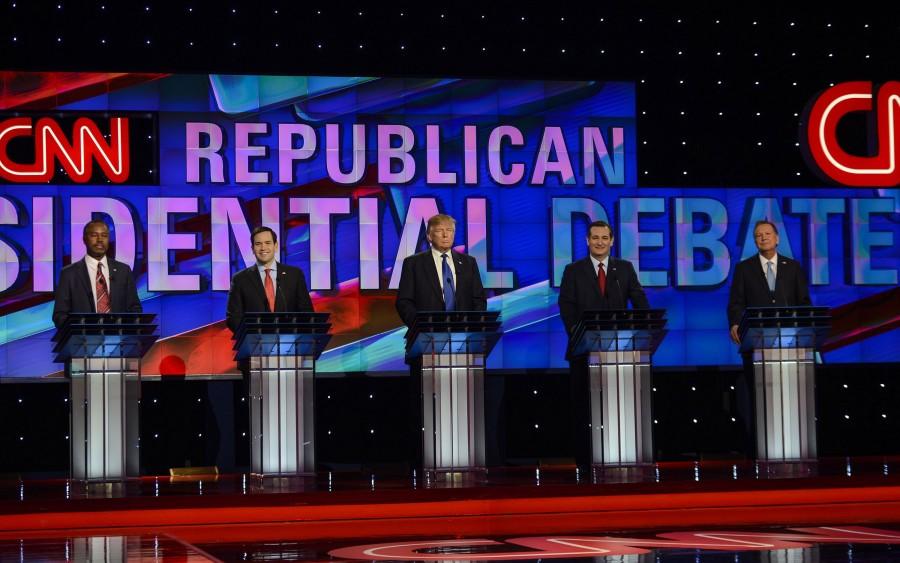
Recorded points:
(618, 345)
(103, 353)
(282, 349)
(781, 344)
(446, 351)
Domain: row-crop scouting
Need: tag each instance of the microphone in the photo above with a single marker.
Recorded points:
(615, 277)
(278, 292)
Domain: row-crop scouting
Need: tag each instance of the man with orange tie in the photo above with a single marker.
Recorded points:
(96, 283)
(267, 285)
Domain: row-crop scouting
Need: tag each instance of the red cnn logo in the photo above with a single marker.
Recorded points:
(823, 147)
(77, 156)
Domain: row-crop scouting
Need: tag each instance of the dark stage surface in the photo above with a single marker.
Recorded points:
(834, 510)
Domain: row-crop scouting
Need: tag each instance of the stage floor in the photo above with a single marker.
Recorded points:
(833, 510)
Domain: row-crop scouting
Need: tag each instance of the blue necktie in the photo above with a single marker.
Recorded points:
(449, 293)
(770, 276)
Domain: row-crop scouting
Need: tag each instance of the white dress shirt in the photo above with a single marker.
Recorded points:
(274, 273)
(774, 260)
(597, 263)
(91, 264)
(439, 264)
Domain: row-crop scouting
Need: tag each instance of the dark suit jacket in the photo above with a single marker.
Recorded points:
(750, 289)
(73, 292)
(248, 295)
(420, 286)
(579, 290)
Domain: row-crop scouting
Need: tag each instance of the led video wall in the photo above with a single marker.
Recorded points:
(347, 170)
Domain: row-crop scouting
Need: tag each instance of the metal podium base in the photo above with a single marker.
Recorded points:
(621, 431)
(105, 395)
(784, 383)
(282, 416)
(453, 412)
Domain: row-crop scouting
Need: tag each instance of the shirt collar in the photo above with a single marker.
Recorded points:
(597, 263)
(262, 269)
(437, 253)
(92, 262)
(773, 260)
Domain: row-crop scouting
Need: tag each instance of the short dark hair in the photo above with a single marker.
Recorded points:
(87, 226)
(765, 222)
(600, 224)
(263, 229)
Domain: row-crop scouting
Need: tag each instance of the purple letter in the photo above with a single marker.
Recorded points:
(42, 259)
(333, 156)
(287, 154)
(433, 150)
(320, 211)
(420, 210)
(595, 147)
(194, 153)
(553, 141)
(369, 237)
(495, 163)
(160, 241)
(387, 153)
(244, 151)
(9, 260)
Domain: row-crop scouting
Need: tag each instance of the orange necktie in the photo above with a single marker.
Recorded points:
(270, 290)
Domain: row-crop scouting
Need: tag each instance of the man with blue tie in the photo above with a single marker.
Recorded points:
(439, 279)
(766, 279)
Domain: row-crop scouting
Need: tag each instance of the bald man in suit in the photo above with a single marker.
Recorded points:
(96, 283)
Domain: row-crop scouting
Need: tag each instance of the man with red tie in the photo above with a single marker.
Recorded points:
(598, 281)
(96, 283)
(595, 282)
(267, 285)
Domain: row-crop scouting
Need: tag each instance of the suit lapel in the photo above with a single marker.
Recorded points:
(781, 275)
(433, 275)
(461, 272)
(590, 274)
(85, 280)
(257, 283)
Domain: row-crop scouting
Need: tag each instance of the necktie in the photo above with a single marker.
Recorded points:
(449, 292)
(102, 291)
(770, 276)
(601, 279)
(270, 290)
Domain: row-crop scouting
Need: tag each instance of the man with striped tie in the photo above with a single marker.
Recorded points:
(96, 283)
(439, 279)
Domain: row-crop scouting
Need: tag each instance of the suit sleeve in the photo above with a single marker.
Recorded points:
(63, 299)
(479, 301)
(636, 291)
(406, 293)
(568, 303)
(304, 302)
(736, 297)
(234, 311)
(132, 301)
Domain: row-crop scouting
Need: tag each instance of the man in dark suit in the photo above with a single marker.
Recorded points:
(598, 281)
(439, 279)
(765, 279)
(267, 285)
(96, 283)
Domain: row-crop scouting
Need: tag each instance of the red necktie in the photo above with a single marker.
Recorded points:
(102, 292)
(270, 290)
(601, 279)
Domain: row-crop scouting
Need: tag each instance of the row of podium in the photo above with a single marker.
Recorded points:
(447, 352)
